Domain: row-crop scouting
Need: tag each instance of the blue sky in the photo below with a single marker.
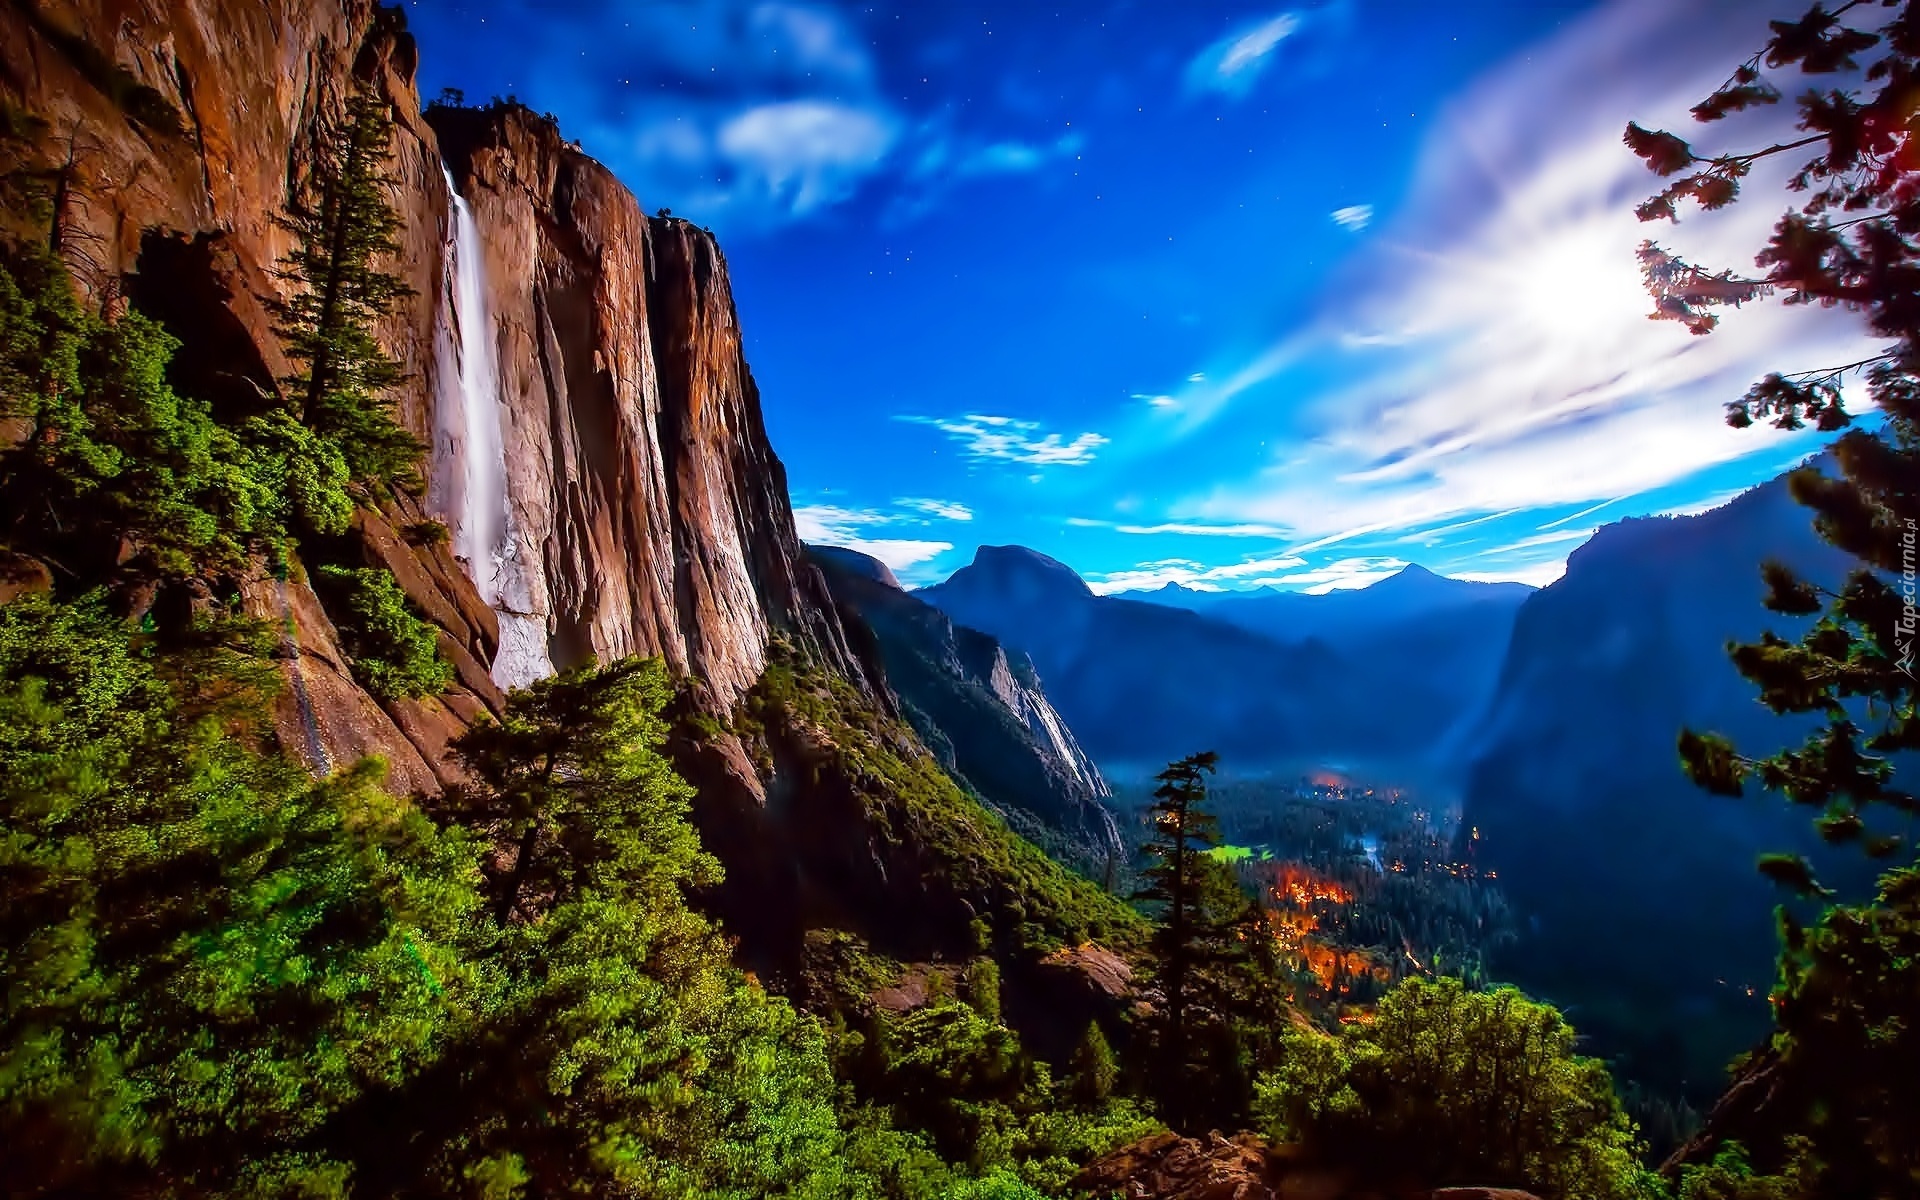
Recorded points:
(1220, 293)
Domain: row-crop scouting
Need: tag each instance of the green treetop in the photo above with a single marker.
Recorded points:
(344, 388)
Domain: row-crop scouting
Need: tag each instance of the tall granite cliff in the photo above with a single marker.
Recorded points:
(648, 512)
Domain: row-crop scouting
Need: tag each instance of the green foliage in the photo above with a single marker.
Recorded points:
(427, 533)
(625, 1054)
(344, 387)
(1094, 1069)
(225, 979)
(1854, 669)
(1032, 902)
(1730, 1176)
(305, 469)
(1844, 1055)
(983, 988)
(208, 955)
(1457, 1087)
(395, 653)
(116, 469)
(1847, 1049)
(945, 1101)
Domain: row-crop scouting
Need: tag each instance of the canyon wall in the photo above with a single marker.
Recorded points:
(645, 512)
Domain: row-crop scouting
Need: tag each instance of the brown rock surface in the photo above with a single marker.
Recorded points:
(1170, 1167)
(1167, 1166)
(321, 715)
(1099, 970)
(639, 473)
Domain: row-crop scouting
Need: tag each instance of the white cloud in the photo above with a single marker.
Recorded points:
(1012, 440)
(806, 153)
(1233, 63)
(1508, 362)
(945, 510)
(1197, 377)
(816, 41)
(1162, 402)
(1196, 530)
(1542, 539)
(1339, 575)
(1257, 572)
(832, 525)
(1353, 217)
(900, 554)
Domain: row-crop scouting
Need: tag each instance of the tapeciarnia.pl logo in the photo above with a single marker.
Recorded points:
(1909, 609)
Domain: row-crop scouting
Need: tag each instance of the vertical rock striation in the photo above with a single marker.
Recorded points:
(640, 481)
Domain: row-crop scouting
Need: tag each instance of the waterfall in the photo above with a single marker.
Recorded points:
(469, 487)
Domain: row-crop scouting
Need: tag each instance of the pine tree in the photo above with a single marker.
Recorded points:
(1851, 243)
(1093, 1070)
(344, 388)
(1199, 905)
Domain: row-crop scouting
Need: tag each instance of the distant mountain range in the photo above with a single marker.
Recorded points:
(1439, 641)
(1380, 678)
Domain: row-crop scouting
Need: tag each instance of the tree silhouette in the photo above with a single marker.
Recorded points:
(1849, 243)
(1200, 912)
(1839, 1069)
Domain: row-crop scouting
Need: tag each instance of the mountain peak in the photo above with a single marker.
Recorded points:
(1028, 570)
(855, 563)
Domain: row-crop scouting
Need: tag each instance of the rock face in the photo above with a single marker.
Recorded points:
(1170, 1167)
(639, 474)
(983, 712)
(1605, 849)
(644, 495)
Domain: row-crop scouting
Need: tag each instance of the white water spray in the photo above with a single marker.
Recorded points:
(470, 465)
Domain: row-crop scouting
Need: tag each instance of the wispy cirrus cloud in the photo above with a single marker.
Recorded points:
(945, 510)
(1494, 354)
(1234, 63)
(1354, 217)
(800, 155)
(752, 114)
(1010, 439)
(1287, 571)
(1184, 528)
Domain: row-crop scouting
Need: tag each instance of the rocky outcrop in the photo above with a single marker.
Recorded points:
(1245, 1167)
(983, 712)
(187, 127)
(640, 478)
(1170, 1167)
